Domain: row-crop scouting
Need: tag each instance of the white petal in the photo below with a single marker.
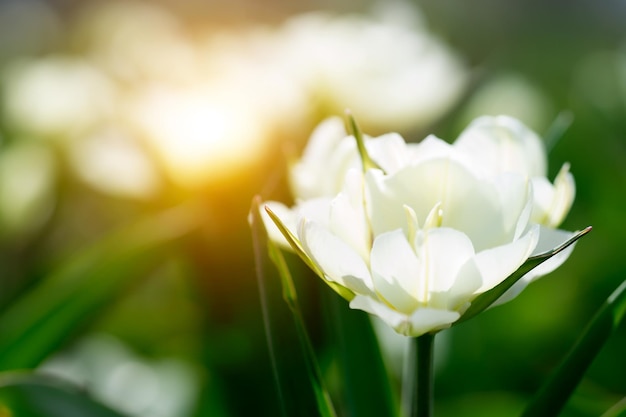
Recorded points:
(469, 204)
(468, 281)
(427, 320)
(389, 151)
(396, 271)
(443, 252)
(393, 318)
(315, 209)
(498, 263)
(516, 202)
(564, 193)
(323, 140)
(337, 259)
(548, 240)
(327, 157)
(286, 215)
(503, 144)
(419, 322)
(347, 215)
(553, 202)
(385, 209)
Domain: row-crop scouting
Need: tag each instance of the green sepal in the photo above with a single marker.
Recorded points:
(558, 388)
(486, 299)
(366, 160)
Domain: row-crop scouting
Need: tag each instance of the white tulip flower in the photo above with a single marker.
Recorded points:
(418, 236)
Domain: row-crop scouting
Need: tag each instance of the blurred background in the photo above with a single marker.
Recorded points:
(134, 134)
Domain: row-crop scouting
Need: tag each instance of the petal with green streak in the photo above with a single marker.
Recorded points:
(339, 262)
(548, 240)
(496, 264)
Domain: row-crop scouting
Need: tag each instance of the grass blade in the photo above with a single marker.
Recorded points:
(289, 364)
(555, 392)
(41, 321)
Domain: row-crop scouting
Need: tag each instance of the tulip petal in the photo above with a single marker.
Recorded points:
(286, 215)
(339, 262)
(468, 281)
(470, 205)
(503, 144)
(396, 271)
(347, 215)
(553, 202)
(305, 176)
(548, 240)
(443, 251)
(498, 263)
(516, 201)
(419, 322)
(388, 151)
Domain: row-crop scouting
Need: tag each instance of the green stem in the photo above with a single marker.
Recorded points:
(419, 384)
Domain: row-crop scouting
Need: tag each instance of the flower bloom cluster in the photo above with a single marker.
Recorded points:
(413, 233)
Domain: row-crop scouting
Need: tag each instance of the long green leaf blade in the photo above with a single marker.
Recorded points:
(39, 322)
(289, 364)
(557, 389)
(483, 301)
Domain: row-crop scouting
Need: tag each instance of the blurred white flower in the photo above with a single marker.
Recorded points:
(417, 239)
(110, 161)
(124, 381)
(209, 103)
(56, 97)
(388, 74)
(136, 42)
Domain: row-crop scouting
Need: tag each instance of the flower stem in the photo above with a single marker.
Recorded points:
(420, 379)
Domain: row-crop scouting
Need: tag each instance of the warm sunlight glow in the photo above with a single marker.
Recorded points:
(199, 135)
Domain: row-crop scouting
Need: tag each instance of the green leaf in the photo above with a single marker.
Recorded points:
(289, 365)
(486, 299)
(367, 387)
(42, 320)
(557, 389)
(30, 395)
